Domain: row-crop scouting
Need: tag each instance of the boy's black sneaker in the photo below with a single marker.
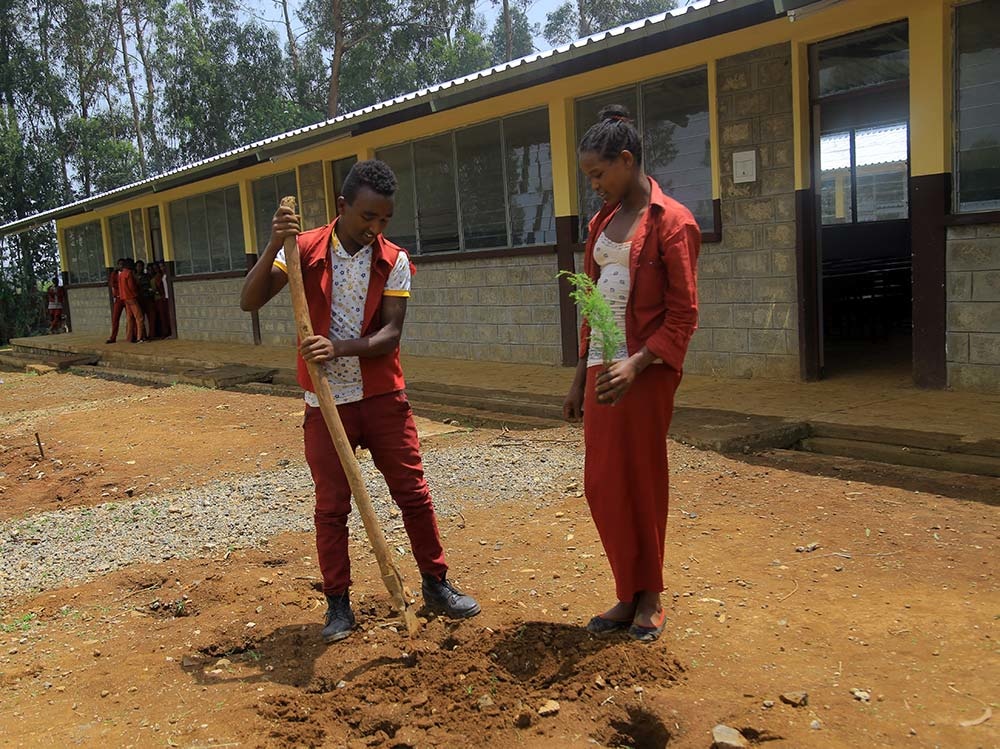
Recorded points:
(442, 597)
(339, 618)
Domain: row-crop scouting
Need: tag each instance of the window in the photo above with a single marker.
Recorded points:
(403, 226)
(672, 117)
(865, 174)
(341, 168)
(481, 186)
(872, 58)
(85, 253)
(120, 229)
(528, 156)
(267, 192)
(437, 209)
(485, 186)
(978, 138)
(208, 232)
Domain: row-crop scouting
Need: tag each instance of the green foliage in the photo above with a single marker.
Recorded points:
(580, 18)
(522, 34)
(597, 312)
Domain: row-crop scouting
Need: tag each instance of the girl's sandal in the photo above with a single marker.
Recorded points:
(648, 634)
(600, 625)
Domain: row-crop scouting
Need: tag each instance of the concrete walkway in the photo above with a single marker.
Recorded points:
(881, 400)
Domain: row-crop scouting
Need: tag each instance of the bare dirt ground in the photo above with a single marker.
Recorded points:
(889, 623)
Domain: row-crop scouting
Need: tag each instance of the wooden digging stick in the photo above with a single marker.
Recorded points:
(321, 386)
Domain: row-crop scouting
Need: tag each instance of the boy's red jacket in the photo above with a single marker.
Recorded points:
(379, 374)
(128, 289)
(662, 308)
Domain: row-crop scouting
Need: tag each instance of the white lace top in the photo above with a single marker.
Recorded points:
(613, 283)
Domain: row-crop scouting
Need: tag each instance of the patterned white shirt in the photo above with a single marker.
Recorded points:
(351, 275)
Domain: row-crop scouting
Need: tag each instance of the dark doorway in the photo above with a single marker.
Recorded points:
(860, 96)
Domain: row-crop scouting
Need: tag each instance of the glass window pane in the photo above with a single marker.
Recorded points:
(978, 48)
(835, 175)
(265, 203)
(218, 231)
(341, 168)
(121, 236)
(237, 242)
(676, 140)
(139, 234)
(402, 228)
(529, 178)
(480, 186)
(882, 174)
(181, 235)
(871, 58)
(286, 185)
(586, 115)
(94, 248)
(437, 212)
(198, 230)
(85, 253)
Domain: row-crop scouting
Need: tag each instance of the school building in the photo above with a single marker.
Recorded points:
(841, 156)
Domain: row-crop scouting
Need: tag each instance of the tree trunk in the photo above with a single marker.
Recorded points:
(333, 94)
(508, 30)
(583, 19)
(150, 103)
(293, 55)
(130, 83)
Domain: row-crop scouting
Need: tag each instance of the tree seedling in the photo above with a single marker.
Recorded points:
(597, 312)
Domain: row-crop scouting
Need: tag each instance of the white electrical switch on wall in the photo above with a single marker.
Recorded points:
(744, 166)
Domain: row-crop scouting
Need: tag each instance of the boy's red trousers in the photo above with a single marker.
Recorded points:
(384, 425)
(626, 478)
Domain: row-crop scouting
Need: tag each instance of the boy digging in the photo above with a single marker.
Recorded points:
(356, 285)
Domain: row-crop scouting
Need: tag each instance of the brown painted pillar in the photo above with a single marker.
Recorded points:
(254, 316)
(929, 205)
(567, 244)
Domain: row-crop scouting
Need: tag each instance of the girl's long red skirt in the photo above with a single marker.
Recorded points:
(626, 478)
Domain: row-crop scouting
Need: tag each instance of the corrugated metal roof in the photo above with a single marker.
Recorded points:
(887, 144)
(263, 150)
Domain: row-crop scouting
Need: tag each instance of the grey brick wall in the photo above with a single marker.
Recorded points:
(90, 310)
(313, 197)
(493, 309)
(746, 283)
(277, 321)
(973, 339)
(209, 310)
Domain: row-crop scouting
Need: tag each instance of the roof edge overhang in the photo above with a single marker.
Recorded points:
(701, 20)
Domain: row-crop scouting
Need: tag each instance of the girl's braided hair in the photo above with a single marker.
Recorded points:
(613, 133)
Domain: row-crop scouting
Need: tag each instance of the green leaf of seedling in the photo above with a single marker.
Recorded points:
(597, 312)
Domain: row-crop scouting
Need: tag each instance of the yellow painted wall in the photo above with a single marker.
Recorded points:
(931, 73)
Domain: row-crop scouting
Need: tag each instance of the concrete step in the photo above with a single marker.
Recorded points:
(940, 460)
(477, 417)
(519, 404)
(136, 377)
(935, 441)
(19, 361)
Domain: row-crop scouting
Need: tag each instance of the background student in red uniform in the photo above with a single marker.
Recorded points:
(128, 288)
(642, 251)
(147, 303)
(357, 283)
(160, 299)
(56, 296)
(118, 304)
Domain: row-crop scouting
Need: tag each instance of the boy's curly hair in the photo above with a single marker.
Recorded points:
(373, 174)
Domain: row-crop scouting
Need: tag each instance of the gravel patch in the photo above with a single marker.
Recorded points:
(56, 549)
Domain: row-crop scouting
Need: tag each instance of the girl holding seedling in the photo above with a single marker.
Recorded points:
(639, 301)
